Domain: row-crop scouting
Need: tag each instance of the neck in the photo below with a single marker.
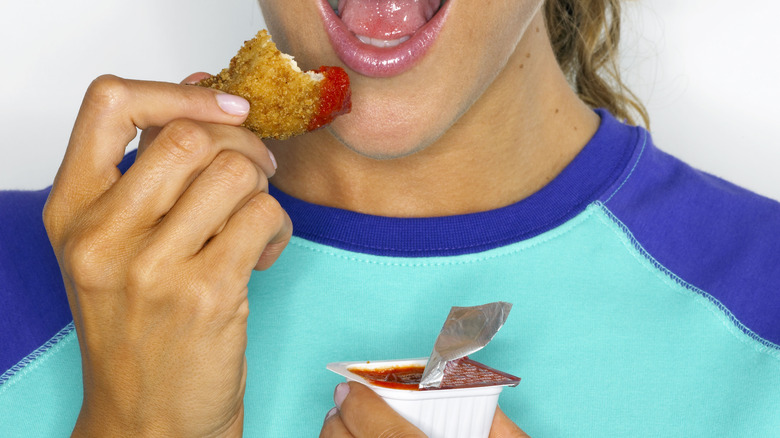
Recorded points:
(520, 133)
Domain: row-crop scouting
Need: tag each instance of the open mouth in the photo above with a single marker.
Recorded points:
(382, 38)
(385, 23)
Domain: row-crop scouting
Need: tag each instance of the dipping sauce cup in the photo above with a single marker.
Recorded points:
(462, 408)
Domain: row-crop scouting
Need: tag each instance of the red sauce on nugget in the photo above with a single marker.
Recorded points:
(335, 97)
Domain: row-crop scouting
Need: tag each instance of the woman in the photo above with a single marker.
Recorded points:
(469, 171)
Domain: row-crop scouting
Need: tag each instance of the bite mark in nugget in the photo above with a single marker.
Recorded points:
(284, 101)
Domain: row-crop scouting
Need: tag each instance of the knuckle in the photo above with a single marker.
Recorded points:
(52, 222)
(142, 273)
(264, 206)
(237, 170)
(109, 93)
(185, 141)
(152, 269)
(242, 310)
(83, 260)
(200, 293)
(153, 282)
(205, 297)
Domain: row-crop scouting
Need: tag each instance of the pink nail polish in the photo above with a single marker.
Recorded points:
(341, 392)
(273, 159)
(233, 105)
(330, 414)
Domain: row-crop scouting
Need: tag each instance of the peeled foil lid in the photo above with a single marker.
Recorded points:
(466, 330)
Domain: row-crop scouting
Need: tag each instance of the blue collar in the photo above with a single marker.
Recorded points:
(594, 169)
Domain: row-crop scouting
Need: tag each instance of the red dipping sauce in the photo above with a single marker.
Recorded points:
(461, 373)
(400, 377)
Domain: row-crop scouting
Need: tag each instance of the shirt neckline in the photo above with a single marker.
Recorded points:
(592, 171)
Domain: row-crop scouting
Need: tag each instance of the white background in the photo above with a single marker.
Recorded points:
(706, 69)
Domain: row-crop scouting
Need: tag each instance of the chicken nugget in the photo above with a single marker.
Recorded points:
(284, 101)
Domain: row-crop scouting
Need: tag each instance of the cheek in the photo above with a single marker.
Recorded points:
(495, 30)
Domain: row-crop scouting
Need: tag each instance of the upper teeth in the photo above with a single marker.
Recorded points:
(376, 42)
(335, 5)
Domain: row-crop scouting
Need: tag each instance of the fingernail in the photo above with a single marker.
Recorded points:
(342, 389)
(232, 104)
(330, 414)
(273, 159)
(193, 79)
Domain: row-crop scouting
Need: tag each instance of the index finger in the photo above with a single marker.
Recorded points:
(112, 111)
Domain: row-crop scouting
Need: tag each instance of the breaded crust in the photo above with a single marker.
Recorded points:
(284, 101)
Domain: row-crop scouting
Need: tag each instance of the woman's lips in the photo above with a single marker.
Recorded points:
(376, 57)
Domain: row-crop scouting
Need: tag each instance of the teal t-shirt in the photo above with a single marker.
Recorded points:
(613, 331)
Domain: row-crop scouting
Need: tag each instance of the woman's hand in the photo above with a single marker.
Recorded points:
(503, 427)
(360, 413)
(156, 262)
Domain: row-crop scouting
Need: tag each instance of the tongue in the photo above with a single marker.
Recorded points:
(386, 19)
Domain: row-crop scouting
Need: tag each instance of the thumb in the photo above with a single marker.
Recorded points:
(503, 427)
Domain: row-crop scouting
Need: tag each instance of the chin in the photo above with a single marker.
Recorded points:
(380, 137)
(394, 118)
(378, 147)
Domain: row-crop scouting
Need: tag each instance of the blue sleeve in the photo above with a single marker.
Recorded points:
(718, 237)
(33, 302)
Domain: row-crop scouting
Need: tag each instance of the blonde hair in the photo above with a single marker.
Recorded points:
(585, 36)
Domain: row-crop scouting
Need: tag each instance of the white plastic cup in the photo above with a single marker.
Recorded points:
(438, 413)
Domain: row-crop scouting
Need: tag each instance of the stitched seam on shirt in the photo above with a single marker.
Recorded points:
(37, 357)
(630, 172)
(728, 319)
(574, 223)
